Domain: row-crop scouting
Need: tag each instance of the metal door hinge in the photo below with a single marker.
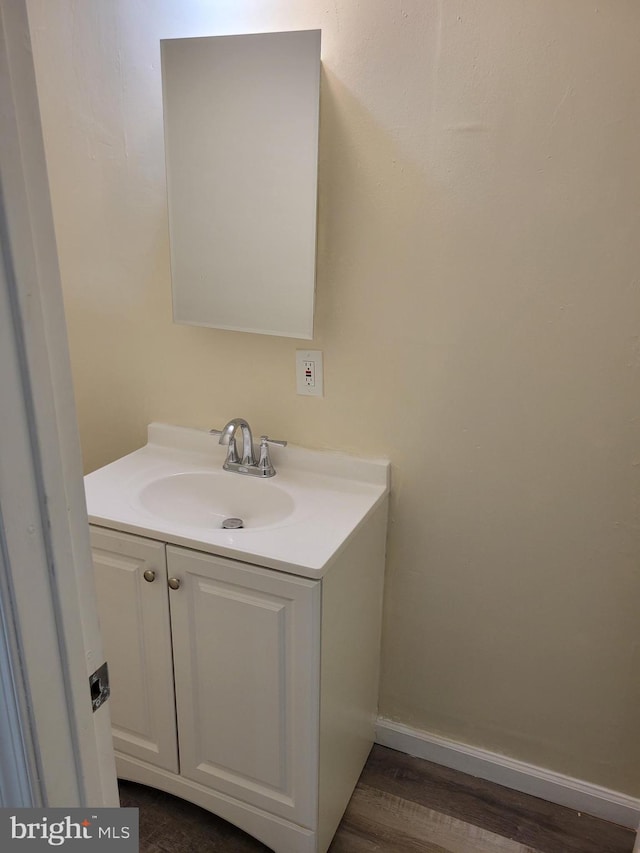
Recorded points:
(99, 686)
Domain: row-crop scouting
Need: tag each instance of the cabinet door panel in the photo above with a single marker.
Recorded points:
(134, 621)
(246, 667)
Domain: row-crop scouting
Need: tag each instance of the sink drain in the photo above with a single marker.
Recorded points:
(232, 523)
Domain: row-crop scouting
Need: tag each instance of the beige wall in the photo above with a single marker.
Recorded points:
(478, 304)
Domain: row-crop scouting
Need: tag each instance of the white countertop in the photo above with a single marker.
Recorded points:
(327, 495)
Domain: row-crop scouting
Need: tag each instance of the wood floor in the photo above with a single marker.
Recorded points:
(401, 805)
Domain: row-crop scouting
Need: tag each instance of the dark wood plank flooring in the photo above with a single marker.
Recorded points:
(401, 805)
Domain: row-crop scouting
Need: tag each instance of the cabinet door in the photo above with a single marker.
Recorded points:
(246, 661)
(134, 621)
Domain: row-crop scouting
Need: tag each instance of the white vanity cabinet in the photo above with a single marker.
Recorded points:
(249, 691)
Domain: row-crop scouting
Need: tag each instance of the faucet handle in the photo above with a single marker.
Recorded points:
(265, 466)
(264, 439)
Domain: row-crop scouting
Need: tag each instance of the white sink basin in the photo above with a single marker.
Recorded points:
(206, 498)
(174, 490)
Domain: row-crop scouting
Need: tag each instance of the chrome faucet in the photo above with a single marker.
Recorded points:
(246, 464)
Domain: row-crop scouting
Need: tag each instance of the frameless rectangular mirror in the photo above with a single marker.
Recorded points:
(241, 145)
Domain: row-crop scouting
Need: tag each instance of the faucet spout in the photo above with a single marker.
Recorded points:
(228, 436)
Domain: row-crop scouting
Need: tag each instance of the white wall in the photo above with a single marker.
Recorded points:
(478, 304)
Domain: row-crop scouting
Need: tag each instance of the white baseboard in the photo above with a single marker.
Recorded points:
(554, 787)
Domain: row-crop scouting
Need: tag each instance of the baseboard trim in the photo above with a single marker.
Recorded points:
(554, 787)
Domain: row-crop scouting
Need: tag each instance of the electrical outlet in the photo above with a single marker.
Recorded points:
(309, 373)
(309, 378)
